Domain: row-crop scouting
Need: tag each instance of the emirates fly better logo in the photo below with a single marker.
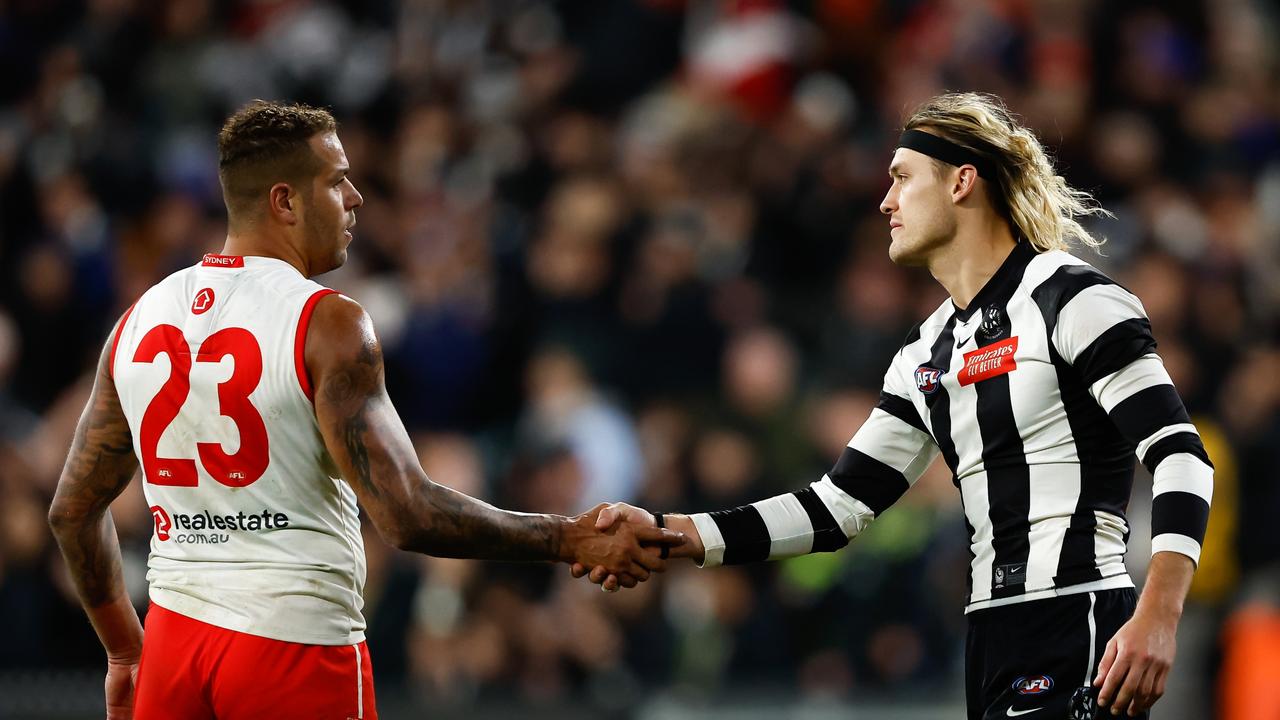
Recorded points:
(990, 361)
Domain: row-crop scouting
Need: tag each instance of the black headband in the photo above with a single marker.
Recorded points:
(948, 152)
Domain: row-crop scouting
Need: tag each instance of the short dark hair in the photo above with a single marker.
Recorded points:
(264, 143)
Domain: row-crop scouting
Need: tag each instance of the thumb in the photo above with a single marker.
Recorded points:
(607, 517)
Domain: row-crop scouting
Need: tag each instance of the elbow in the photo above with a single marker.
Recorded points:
(62, 519)
(401, 540)
(402, 534)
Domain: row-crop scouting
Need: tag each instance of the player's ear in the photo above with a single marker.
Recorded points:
(965, 179)
(283, 203)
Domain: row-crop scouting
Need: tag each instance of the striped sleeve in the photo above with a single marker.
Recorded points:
(885, 457)
(1142, 402)
(1102, 331)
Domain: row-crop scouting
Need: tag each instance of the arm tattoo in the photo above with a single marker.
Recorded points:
(352, 391)
(383, 467)
(99, 466)
(462, 526)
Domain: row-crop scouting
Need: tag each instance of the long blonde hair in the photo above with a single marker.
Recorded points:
(1039, 203)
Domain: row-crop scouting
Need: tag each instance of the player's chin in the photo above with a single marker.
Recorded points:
(900, 253)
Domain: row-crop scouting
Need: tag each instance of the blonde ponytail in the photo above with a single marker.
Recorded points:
(1039, 203)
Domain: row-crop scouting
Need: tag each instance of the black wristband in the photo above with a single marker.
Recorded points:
(660, 521)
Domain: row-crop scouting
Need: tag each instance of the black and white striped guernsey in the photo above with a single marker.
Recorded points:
(1037, 395)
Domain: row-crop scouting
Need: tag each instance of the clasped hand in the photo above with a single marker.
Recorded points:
(627, 551)
(616, 519)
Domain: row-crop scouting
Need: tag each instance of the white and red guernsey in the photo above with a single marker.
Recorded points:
(254, 530)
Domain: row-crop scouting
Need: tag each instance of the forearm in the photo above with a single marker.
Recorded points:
(693, 547)
(819, 518)
(92, 555)
(1165, 590)
(447, 523)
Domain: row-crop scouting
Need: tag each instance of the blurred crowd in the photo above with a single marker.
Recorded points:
(630, 250)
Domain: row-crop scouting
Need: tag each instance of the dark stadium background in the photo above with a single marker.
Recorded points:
(630, 249)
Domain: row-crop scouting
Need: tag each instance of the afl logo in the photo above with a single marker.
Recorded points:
(203, 301)
(1034, 685)
(163, 523)
(928, 379)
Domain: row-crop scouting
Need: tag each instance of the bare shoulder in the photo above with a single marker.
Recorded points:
(342, 350)
(339, 327)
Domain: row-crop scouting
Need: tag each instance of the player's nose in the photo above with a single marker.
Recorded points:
(889, 203)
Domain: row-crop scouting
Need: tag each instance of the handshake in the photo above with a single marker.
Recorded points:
(619, 545)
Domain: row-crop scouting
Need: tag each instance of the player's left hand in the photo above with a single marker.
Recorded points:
(610, 516)
(626, 551)
(1136, 663)
(122, 677)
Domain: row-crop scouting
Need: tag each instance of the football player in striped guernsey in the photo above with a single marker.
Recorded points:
(1037, 381)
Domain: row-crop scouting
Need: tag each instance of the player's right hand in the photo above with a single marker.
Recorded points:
(122, 676)
(618, 514)
(629, 551)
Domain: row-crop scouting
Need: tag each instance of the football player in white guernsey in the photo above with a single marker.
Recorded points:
(253, 399)
(1036, 382)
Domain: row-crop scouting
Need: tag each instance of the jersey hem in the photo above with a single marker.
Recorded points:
(212, 615)
(1114, 582)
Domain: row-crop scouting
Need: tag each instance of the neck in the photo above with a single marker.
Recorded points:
(966, 263)
(256, 245)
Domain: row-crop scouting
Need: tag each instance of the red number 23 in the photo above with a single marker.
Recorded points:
(250, 461)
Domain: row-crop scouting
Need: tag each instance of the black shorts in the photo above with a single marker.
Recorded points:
(1036, 660)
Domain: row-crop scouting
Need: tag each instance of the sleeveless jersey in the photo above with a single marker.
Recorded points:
(254, 530)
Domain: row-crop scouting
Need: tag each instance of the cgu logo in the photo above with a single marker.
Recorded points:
(163, 522)
(1033, 685)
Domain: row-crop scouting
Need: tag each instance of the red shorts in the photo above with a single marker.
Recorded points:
(197, 671)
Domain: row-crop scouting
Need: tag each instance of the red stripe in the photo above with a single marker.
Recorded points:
(115, 340)
(216, 260)
(300, 341)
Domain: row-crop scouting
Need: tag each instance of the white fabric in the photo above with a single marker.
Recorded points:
(302, 580)
(1115, 582)
(712, 540)
(1183, 472)
(790, 532)
(1089, 314)
(1146, 372)
(1173, 542)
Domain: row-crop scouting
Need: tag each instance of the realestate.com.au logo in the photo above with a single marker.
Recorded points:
(210, 529)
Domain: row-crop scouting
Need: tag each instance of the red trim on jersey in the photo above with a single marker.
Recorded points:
(300, 341)
(115, 340)
(216, 260)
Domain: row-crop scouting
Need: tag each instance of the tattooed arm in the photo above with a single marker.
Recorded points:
(368, 441)
(99, 466)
